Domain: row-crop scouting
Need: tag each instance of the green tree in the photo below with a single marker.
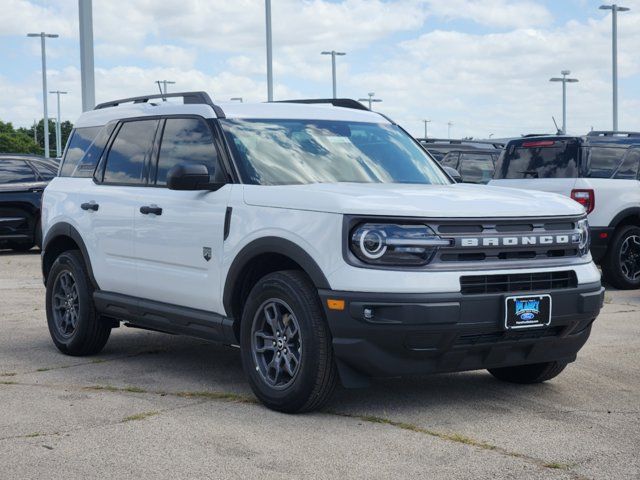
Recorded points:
(16, 141)
(66, 128)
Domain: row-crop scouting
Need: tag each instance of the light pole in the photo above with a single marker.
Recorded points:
(58, 127)
(267, 5)
(164, 84)
(333, 54)
(236, 99)
(614, 55)
(426, 122)
(42, 36)
(564, 81)
(370, 100)
(87, 76)
(449, 125)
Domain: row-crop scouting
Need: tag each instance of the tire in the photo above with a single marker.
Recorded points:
(280, 381)
(623, 259)
(82, 332)
(527, 374)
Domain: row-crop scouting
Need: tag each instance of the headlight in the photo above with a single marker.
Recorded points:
(392, 244)
(584, 240)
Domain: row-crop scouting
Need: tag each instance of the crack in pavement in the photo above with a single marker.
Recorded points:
(206, 396)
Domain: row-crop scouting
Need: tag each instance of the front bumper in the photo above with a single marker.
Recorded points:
(411, 334)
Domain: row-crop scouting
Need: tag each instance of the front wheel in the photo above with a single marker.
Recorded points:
(535, 373)
(286, 344)
(621, 265)
(74, 324)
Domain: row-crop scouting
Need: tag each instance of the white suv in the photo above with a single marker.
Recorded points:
(321, 239)
(601, 171)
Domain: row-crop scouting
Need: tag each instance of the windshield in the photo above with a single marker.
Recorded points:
(282, 152)
(539, 159)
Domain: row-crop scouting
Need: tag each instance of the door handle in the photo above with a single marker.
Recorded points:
(146, 210)
(90, 206)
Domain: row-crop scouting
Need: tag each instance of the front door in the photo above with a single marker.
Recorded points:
(179, 234)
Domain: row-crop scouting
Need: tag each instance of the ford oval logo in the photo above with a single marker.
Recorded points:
(527, 316)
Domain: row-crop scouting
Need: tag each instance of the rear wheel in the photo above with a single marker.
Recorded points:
(74, 324)
(286, 344)
(621, 266)
(535, 373)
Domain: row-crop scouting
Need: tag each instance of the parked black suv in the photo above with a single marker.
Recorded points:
(23, 178)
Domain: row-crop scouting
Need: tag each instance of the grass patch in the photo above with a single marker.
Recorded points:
(140, 416)
(557, 466)
(44, 369)
(98, 360)
(111, 388)
(453, 437)
(226, 396)
(7, 382)
(33, 435)
(8, 374)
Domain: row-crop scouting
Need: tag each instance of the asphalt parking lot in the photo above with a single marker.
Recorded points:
(157, 406)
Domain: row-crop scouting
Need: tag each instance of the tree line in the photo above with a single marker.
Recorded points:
(25, 140)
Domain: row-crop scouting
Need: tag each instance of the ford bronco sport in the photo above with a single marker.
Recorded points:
(321, 239)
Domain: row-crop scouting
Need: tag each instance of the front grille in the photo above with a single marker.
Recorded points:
(501, 241)
(519, 282)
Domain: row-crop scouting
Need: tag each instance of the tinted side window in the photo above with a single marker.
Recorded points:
(129, 152)
(46, 172)
(450, 160)
(16, 171)
(186, 140)
(604, 161)
(476, 168)
(87, 164)
(80, 140)
(629, 168)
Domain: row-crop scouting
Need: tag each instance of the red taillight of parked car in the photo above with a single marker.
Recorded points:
(538, 143)
(586, 198)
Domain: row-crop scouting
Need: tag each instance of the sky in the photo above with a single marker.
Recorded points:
(483, 65)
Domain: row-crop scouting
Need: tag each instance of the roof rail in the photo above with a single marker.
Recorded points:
(336, 102)
(189, 98)
(458, 141)
(611, 133)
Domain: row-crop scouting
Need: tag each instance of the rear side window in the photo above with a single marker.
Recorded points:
(539, 159)
(630, 165)
(604, 161)
(16, 171)
(129, 152)
(476, 168)
(186, 140)
(450, 160)
(81, 139)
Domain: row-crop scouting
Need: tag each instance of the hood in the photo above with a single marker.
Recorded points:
(433, 201)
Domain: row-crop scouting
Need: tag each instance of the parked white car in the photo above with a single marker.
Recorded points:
(321, 239)
(601, 171)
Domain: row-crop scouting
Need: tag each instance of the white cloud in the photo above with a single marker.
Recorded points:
(493, 13)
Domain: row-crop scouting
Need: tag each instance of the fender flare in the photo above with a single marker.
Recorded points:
(629, 212)
(275, 245)
(64, 229)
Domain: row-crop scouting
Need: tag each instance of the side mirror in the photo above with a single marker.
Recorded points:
(454, 174)
(190, 176)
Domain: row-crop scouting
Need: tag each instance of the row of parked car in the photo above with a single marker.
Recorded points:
(600, 170)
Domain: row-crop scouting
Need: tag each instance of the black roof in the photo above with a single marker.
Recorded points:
(592, 138)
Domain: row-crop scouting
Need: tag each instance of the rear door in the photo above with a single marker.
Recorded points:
(178, 248)
(548, 164)
(111, 202)
(20, 191)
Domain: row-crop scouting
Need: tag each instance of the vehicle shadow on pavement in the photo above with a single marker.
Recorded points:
(14, 253)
